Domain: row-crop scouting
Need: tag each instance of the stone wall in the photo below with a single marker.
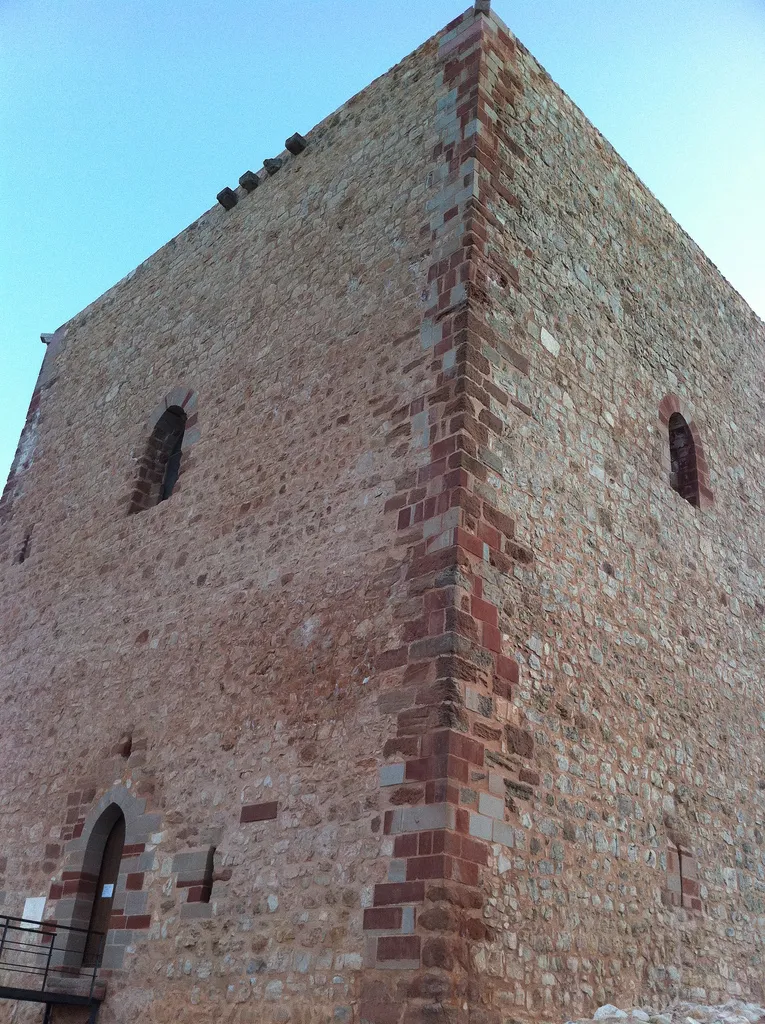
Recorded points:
(211, 658)
(425, 692)
(639, 625)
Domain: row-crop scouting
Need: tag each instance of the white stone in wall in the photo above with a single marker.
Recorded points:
(549, 342)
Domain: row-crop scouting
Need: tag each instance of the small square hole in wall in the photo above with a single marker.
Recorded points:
(125, 744)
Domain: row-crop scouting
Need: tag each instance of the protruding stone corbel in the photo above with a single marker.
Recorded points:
(272, 165)
(295, 144)
(227, 198)
(482, 6)
(249, 181)
(52, 340)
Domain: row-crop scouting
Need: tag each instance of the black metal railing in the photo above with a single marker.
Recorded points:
(45, 957)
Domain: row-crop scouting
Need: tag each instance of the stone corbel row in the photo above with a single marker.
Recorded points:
(249, 181)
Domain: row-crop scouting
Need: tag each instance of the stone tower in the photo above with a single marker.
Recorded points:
(382, 586)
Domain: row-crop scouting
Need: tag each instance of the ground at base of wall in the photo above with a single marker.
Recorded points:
(733, 1012)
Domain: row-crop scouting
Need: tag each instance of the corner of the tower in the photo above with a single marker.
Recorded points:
(458, 754)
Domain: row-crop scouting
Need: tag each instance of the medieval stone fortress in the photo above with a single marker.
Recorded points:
(382, 590)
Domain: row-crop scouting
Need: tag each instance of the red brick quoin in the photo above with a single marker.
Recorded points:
(448, 798)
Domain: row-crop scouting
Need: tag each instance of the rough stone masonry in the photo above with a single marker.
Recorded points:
(431, 689)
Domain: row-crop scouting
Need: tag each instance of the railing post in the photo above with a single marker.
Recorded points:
(97, 964)
(47, 962)
(5, 930)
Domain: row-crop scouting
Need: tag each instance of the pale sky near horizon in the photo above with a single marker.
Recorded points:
(119, 123)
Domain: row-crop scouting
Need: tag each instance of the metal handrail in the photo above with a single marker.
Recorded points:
(48, 952)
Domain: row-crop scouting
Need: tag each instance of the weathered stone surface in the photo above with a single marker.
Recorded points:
(295, 144)
(272, 164)
(249, 181)
(227, 198)
(425, 694)
(733, 1012)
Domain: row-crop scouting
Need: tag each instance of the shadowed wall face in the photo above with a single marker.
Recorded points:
(214, 655)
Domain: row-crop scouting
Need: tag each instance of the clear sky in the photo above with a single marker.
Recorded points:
(121, 120)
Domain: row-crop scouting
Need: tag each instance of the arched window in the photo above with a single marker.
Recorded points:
(684, 457)
(160, 464)
(684, 476)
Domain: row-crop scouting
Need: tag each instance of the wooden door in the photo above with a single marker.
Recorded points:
(105, 889)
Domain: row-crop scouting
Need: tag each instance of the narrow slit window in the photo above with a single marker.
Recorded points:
(173, 467)
(684, 476)
(23, 554)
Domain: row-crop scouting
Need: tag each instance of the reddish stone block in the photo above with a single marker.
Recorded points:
(474, 851)
(435, 866)
(492, 638)
(690, 887)
(381, 1013)
(469, 542)
(464, 871)
(484, 611)
(490, 536)
(394, 658)
(134, 880)
(500, 687)
(507, 668)
(406, 845)
(199, 893)
(444, 952)
(139, 922)
(398, 947)
(382, 918)
(259, 812)
(387, 893)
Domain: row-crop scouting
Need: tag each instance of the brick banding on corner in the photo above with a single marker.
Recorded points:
(458, 540)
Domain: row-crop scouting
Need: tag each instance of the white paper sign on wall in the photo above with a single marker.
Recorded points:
(34, 908)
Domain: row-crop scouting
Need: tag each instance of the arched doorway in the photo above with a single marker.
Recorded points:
(106, 884)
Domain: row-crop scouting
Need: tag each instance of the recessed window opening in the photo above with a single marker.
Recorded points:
(168, 438)
(684, 477)
(25, 546)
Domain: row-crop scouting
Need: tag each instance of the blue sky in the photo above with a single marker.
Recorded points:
(120, 121)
